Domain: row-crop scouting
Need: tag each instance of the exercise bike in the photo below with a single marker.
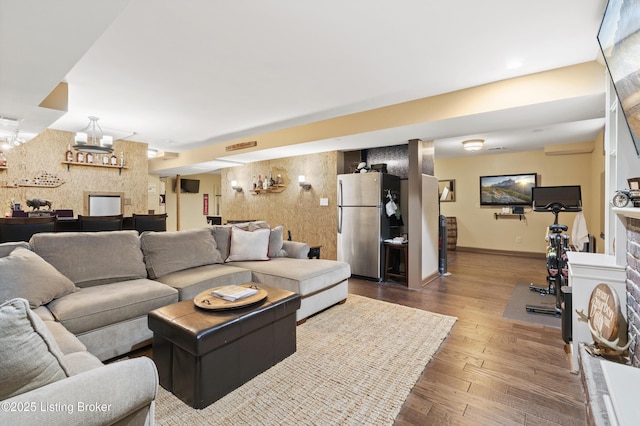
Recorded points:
(557, 270)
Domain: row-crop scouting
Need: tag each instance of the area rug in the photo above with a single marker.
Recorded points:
(521, 297)
(355, 364)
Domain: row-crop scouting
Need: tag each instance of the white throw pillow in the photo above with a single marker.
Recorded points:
(249, 245)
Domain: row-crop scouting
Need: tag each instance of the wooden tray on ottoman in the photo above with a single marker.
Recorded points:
(206, 300)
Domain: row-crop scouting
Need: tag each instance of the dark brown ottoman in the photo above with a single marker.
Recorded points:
(202, 355)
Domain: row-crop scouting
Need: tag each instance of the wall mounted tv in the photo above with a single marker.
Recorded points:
(507, 190)
(188, 185)
(619, 40)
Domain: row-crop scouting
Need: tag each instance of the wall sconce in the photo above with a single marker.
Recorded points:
(234, 185)
(302, 183)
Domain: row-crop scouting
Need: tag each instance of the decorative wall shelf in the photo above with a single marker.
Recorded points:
(271, 189)
(4, 168)
(105, 166)
(520, 216)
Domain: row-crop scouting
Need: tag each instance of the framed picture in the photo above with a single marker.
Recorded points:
(446, 190)
(619, 42)
(507, 190)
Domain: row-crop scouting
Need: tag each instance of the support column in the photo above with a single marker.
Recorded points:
(423, 214)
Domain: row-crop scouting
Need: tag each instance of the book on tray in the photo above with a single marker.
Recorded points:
(234, 292)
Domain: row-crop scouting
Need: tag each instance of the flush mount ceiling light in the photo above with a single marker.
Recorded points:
(92, 139)
(473, 144)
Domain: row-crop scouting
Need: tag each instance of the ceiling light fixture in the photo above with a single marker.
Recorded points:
(92, 139)
(473, 144)
(14, 140)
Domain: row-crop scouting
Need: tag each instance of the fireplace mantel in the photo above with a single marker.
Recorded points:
(633, 212)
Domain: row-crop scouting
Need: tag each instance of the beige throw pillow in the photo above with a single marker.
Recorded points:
(27, 275)
(249, 245)
(29, 355)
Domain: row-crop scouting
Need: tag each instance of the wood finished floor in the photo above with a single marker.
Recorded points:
(490, 370)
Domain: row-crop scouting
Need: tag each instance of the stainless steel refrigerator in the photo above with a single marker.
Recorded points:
(363, 223)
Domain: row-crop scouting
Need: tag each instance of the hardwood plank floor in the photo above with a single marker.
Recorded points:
(490, 370)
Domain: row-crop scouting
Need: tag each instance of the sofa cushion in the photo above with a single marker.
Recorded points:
(166, 252)
(6, 248)
(302, 276)
(66, 340)
(249, 245)
(29, 356)
(93, 307)
(27, 275)
(193, 281)
(92, 258)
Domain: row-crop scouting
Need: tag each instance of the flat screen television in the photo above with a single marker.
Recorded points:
(507, 190)
(188, 186)
(619, 40)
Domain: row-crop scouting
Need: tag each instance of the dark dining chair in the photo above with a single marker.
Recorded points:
(22, 228)
(150, 222)
(100, 223)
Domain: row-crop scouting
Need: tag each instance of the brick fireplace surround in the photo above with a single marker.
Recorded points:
(633, 288)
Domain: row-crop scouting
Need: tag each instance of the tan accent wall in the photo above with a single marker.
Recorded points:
(297, 209)
(191, 212)
(477, 227)
(46, 152)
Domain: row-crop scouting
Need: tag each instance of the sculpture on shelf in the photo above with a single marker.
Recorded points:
(36, 203)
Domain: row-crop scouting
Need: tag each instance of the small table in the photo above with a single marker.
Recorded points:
(202, 355)
(392, 249)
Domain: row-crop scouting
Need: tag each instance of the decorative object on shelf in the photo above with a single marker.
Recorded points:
(42, 180)
(473, 144)
(235, 186)
(303, 183)
(36, 203)
(622, 197)
(92, 139)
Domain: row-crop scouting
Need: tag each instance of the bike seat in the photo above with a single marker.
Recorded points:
(556, 228)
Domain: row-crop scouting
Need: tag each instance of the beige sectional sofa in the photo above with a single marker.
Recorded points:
(93, 291)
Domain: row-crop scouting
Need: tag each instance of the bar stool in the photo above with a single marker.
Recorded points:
(400, 254)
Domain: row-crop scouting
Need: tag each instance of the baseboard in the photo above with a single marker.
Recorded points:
(502, 252)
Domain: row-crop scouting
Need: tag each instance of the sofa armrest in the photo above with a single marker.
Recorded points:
(102, 395)
(295, 249)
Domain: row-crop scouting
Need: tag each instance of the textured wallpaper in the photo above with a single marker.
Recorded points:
(42, 158)
(297, 209)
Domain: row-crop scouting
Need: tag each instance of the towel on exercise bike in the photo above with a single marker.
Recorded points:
(579, 232)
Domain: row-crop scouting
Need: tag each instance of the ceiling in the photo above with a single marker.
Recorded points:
(182, 75)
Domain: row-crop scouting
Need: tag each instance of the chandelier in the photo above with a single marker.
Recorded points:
(14, 140)
(92, 139)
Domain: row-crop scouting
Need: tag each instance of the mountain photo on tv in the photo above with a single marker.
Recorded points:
(507, 190)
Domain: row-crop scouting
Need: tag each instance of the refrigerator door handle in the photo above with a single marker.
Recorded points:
(340, 207)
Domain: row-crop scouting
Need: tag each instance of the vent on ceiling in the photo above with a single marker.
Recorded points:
(496, 148)
(9, 121)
